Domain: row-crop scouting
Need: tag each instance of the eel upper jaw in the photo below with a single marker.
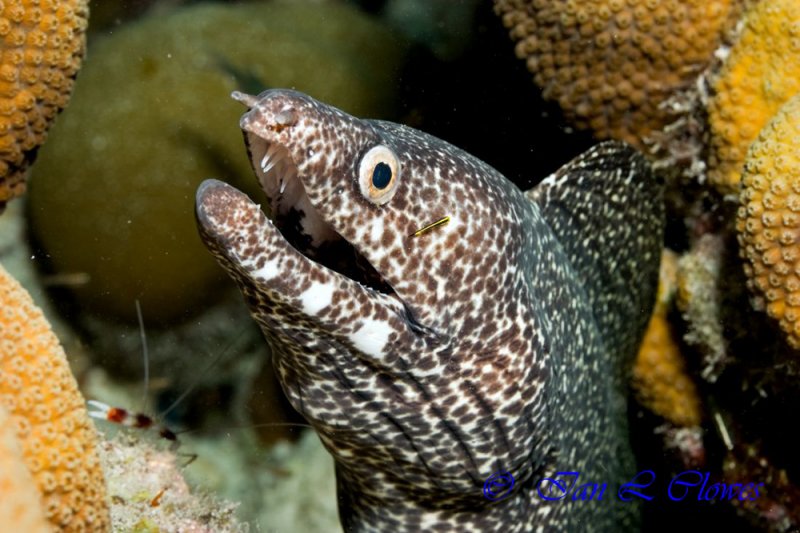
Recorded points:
(301, 223)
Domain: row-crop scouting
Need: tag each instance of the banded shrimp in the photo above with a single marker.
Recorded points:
(141, 420)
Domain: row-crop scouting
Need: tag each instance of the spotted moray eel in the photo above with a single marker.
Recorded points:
(499, 341)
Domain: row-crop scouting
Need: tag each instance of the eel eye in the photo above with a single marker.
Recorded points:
(377, 174)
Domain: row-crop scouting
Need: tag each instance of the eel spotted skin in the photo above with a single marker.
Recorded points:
(499, 341)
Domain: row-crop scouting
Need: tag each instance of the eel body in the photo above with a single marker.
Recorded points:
(427, 363)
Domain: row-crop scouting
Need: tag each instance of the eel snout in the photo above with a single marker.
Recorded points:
(276, 132)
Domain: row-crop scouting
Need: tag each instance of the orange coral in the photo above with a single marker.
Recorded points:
(57, 439)
(611, 63)
(41, 45)
(761, 73)
(19, 500)
(659, 375)
(768, 222)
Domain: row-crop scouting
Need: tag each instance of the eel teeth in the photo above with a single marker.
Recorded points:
(278, 177)
(267, 161)
(272, 169)
(269, 166)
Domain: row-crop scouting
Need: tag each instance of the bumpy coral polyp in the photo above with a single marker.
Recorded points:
(40, 396)
(611, 63)
(768, 222)
(761, 73)
(41, 45)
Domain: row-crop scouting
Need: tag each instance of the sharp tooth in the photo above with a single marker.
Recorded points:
(270, 153)
(283, 186)
(271, 164)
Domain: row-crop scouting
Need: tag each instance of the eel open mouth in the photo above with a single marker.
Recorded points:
(300, 223)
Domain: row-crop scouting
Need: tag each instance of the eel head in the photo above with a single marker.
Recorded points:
(377, 331)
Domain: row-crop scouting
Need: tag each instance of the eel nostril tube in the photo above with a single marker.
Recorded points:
(247, 99)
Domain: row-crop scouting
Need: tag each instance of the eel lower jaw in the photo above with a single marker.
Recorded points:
(300, 222)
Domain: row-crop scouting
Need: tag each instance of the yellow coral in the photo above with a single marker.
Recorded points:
(57, 439)
(768, 222)
(611, 63)
(20, 507)
(660, 378)
(761, 73)
(41, 45)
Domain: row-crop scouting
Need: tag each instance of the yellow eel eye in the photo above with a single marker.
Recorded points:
(377, 174)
